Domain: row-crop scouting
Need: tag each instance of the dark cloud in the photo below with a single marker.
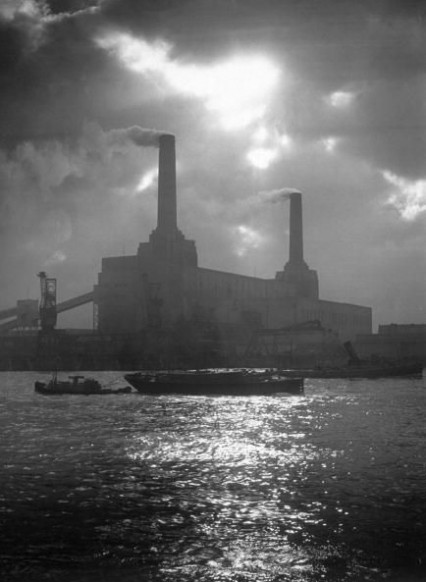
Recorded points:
(46, 93)
(13, 43)
(404, 8)
(150, 18)
(69, 6)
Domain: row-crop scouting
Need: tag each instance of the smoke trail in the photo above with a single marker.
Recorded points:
(278, 195)
(138, 135)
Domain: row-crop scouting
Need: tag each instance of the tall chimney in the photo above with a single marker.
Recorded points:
(167, 211)
(296, 272)
(296, 229)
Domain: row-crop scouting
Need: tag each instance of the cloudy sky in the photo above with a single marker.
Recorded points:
(328, 97)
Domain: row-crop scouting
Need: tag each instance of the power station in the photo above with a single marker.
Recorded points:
(163, 283)
(159, 303)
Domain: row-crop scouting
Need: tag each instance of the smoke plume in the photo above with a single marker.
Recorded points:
(138, 135)
(278, 195)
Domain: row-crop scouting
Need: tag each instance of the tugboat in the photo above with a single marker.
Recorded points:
(215, 382)
(76, 385)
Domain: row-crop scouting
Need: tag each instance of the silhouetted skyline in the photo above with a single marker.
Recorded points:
(326, 98)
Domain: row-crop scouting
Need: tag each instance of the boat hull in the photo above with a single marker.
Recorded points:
(48, 389)
(222, 384)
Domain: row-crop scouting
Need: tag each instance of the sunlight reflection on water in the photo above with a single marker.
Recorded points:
(328, 486)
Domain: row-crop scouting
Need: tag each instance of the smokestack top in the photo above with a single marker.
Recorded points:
(140, 136)
(165, 138)
(277, 195)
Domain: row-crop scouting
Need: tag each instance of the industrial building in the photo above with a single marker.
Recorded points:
(165, 305)
(163, 283)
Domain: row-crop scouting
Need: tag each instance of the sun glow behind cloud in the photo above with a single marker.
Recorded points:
(409, 198)
(147, 180)
(237, 89)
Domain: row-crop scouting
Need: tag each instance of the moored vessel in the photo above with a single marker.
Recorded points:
(215, 382)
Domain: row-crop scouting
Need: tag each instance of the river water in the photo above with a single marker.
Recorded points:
(326, 486)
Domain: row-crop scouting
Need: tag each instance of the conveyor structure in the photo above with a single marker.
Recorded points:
(60, 308)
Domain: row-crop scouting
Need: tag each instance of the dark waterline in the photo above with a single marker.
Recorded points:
(328, 486)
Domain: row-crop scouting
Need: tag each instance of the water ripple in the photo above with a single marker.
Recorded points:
(328, 486)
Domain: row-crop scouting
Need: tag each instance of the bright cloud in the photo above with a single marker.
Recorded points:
(261, 158)
(10, 8)
(139, 55)
(340, 99)
(237, 89)
(267, 147)
(285, 141)
(247, 239)
(55, 258)
(409, 197)
(329, 144)
(261, 134)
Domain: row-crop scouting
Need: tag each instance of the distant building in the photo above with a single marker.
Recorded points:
(394, 341)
